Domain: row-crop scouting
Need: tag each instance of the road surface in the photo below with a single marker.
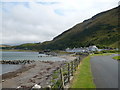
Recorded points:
(105, 71)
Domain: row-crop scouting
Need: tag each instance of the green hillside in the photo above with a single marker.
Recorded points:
(101, 30)
(28, 46)
(2, 45)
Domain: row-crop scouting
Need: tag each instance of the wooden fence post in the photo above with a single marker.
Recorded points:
(79, 59)
(75, 64)
(62, 77)
(72, 68)
(68, 72)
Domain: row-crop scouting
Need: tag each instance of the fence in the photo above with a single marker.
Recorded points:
(61, 76)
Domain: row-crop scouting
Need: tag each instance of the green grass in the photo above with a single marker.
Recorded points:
(116, 57)
(103, 54)
(83, 77)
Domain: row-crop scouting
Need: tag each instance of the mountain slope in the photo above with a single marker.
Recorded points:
(101, 30)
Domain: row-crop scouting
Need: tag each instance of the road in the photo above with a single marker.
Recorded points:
(105, 71)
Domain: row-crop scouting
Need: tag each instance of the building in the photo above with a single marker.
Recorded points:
(77, 50)
(83, 49)
(93, 48)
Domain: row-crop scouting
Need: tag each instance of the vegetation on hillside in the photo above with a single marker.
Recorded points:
(26, 46)
(100, 30)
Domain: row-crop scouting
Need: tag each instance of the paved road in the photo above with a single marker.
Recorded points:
(105, 71)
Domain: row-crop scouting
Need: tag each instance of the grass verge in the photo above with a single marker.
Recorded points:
(116, 57)
(103, 54)
(83, 77)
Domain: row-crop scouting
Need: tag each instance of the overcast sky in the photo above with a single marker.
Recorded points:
(30, 21)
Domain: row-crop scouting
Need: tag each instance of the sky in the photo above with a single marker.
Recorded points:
(32, 21)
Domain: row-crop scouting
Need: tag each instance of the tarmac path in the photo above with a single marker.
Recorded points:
(105, 71)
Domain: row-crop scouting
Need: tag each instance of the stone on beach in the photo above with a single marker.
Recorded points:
(36, 86)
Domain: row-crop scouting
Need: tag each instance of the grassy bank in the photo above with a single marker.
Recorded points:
(83, 77)
(102, 54)
(116, 57)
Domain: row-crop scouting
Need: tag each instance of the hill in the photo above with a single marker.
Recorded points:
(28, 46)
(5, 45)
(100, 30)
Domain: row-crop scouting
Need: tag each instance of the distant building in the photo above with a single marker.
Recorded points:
(93, 48)
(77, 50)
(84, 49)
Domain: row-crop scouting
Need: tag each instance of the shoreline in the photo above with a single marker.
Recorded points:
(37, 72)
(23, 66)
(11, 68)
(14, 73)
(29, 74)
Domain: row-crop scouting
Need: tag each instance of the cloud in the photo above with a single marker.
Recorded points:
(30, 21)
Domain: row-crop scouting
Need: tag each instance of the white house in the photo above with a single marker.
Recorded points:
(93, 48)
(77, 50)
(85, 49)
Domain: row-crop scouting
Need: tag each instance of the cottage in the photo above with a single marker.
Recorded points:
(84, 49)
(93, 48)
(77, 50)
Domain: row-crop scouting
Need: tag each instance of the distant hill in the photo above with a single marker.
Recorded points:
(30, 46)
(100, 30)
(5, 45)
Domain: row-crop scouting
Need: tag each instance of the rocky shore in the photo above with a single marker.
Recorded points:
(16, 61)
(37, 72)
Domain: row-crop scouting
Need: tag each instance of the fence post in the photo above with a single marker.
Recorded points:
(79, 59)
(75, 64)
(62, 77)
(68, 72)
(72, 68)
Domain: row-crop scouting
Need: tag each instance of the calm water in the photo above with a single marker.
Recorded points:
(9, 55)
(26, 56)
(7, 68)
